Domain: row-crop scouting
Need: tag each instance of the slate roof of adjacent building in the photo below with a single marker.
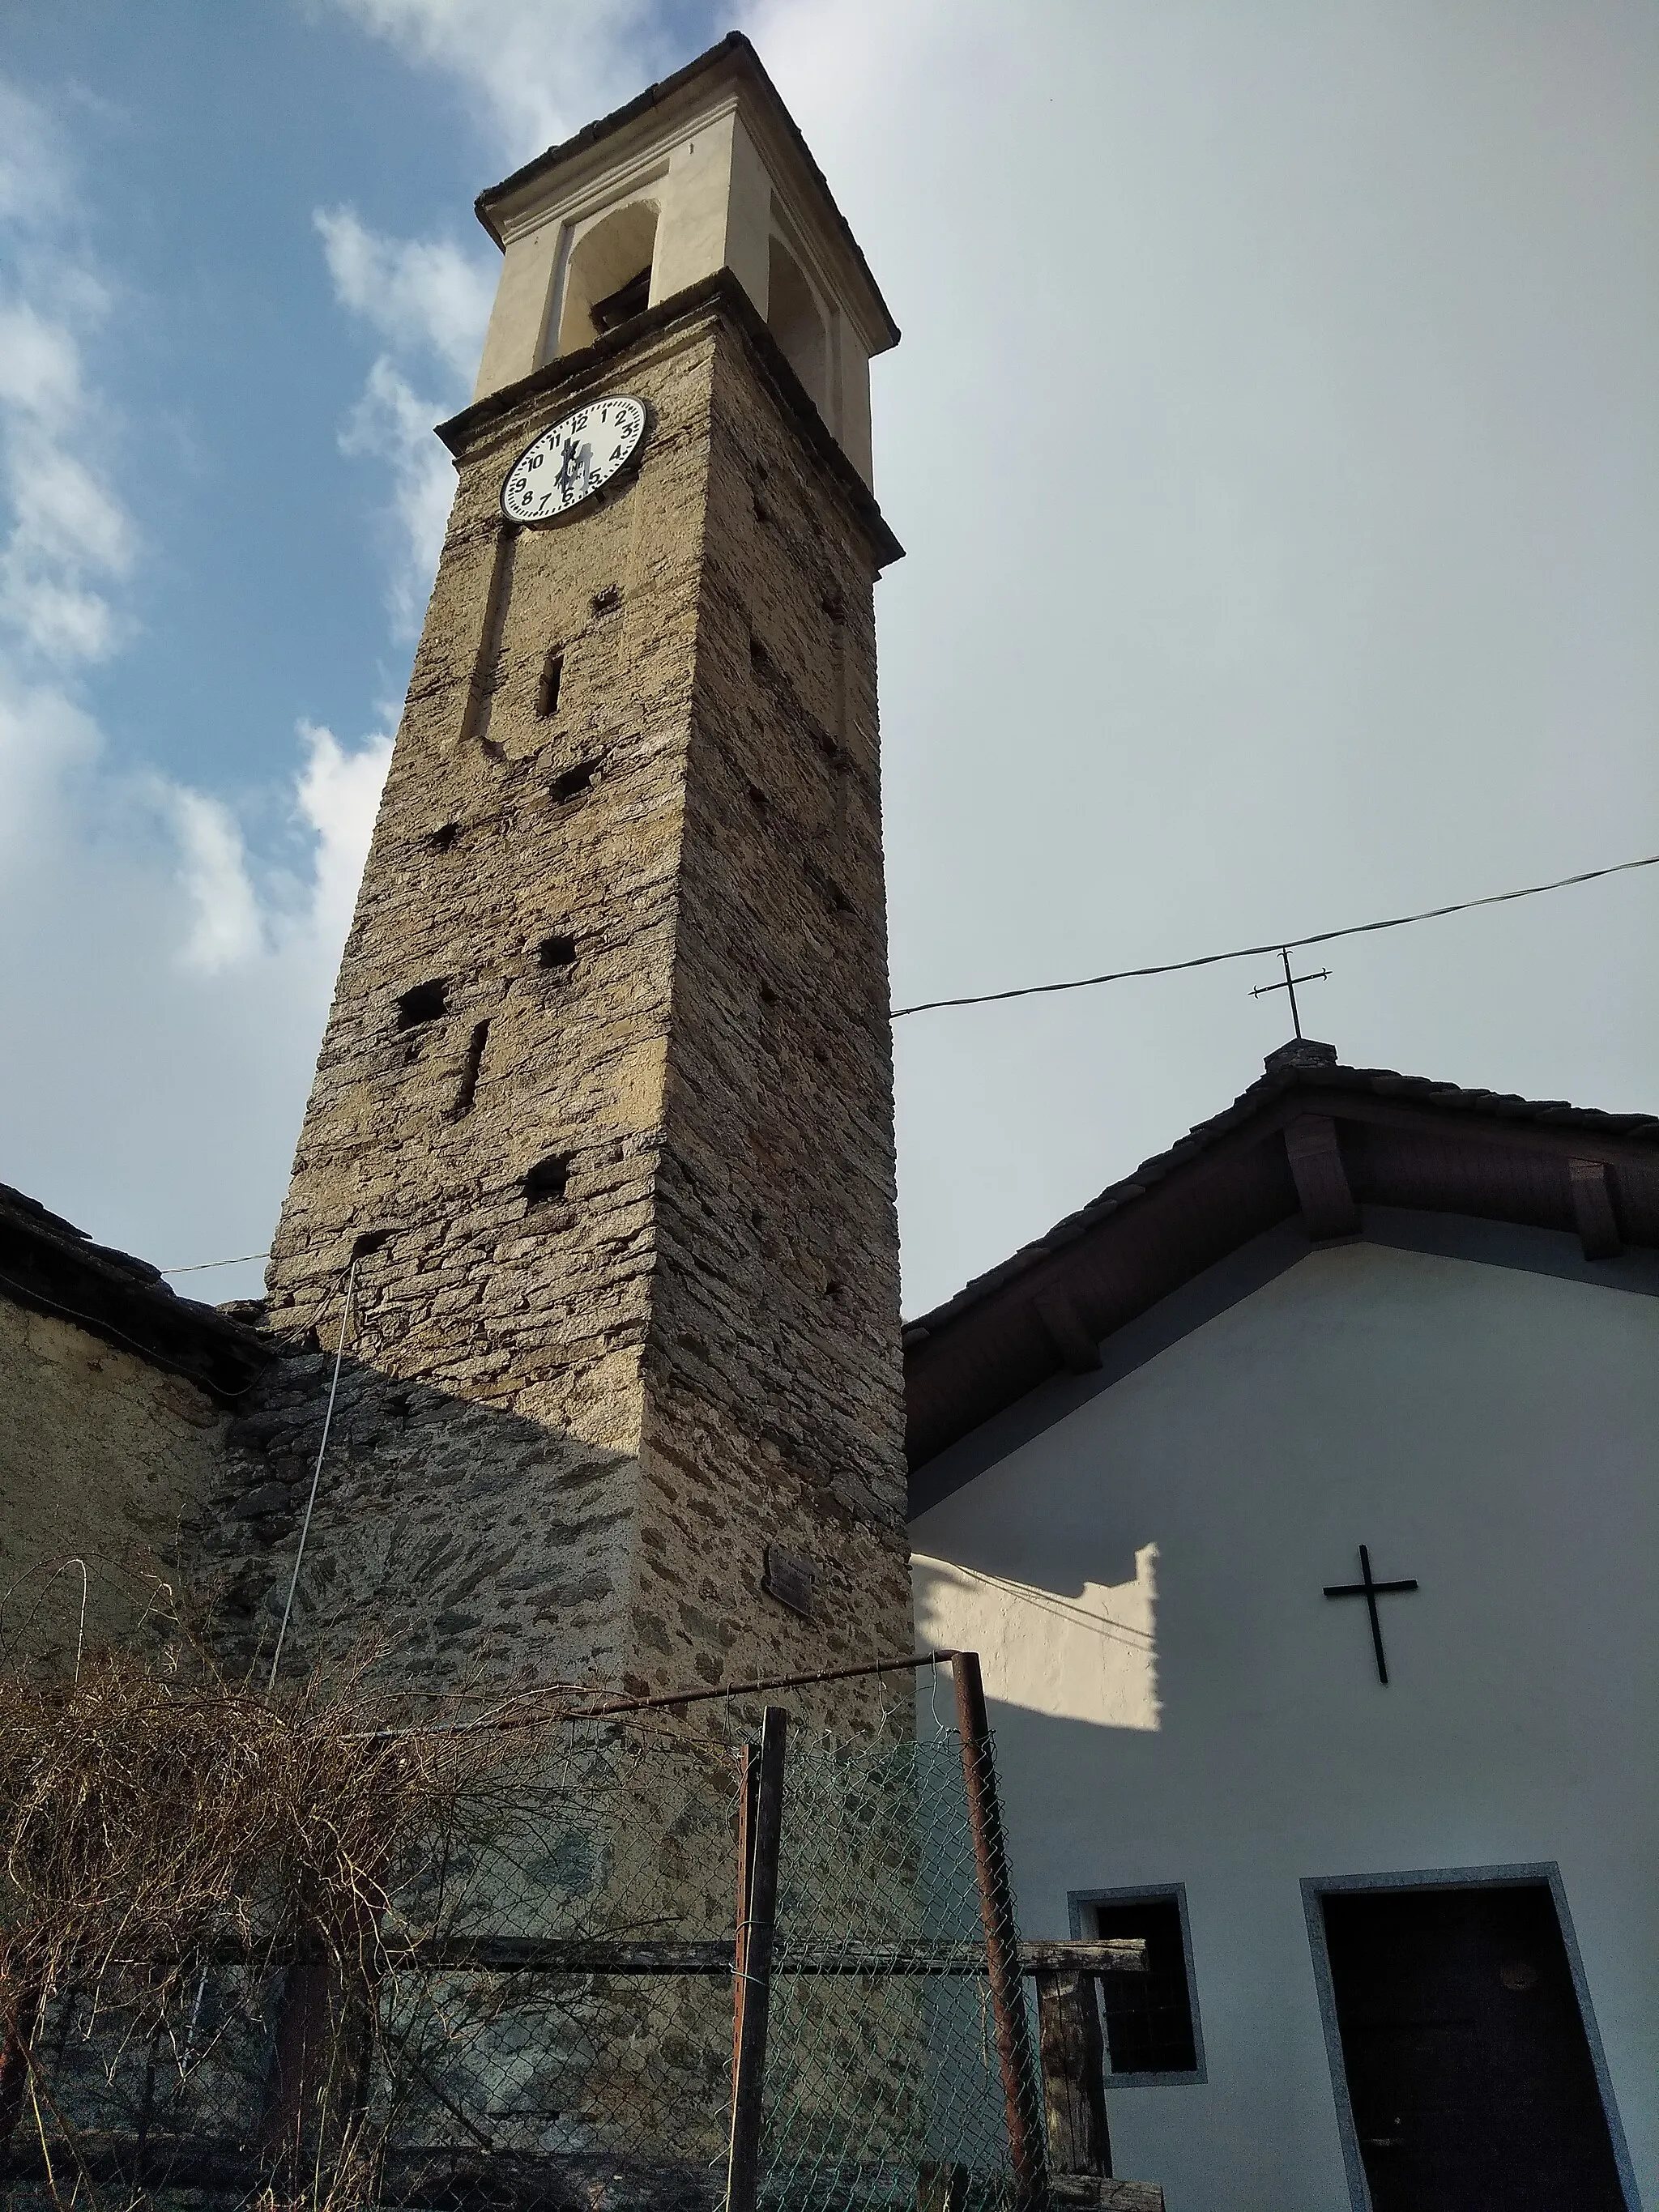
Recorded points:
(52, 1267)
(1398, 1140)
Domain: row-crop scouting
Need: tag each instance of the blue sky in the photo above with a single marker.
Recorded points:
(1333, 599)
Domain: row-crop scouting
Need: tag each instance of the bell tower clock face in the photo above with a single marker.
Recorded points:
(570, 465)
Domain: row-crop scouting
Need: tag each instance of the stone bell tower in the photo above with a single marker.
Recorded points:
(603, 1114)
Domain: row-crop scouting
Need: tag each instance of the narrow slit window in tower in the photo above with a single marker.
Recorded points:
(487, 667)
(547, 691)
(466, 1089)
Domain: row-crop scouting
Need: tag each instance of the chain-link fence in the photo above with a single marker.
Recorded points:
(557, 1988)
(883, 2078)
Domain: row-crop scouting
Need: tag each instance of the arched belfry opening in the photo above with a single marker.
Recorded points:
(608, 277)
(793, 317)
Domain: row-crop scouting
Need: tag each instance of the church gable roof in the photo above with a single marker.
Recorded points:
(1311, 1141)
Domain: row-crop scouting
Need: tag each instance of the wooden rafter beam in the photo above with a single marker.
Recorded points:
(1592, 1209)
(1321, 1180)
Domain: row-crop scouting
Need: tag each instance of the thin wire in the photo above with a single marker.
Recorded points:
(1279, 944)
(81, 1630)
(316, 1475)
(55, 1567)
(202, 1266)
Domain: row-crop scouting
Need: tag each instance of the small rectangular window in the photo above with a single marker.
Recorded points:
(547, 691)
(1150, 2020)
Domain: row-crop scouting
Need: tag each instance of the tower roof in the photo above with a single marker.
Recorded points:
(656, 107)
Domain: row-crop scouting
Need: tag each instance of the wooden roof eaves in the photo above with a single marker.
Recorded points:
(1579, 1139)
(996, 1309)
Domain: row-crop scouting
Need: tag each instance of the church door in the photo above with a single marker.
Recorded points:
(1469, 2069)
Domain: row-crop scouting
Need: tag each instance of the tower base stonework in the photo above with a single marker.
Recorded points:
(600, 1139)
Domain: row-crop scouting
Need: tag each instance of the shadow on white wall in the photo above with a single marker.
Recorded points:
(1089, 1657)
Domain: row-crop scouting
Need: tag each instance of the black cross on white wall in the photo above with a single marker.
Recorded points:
(1371, 1590)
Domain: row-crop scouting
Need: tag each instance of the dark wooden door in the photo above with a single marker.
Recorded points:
(1468, 2064)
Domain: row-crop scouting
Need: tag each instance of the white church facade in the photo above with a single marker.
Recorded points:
(1398, 1886)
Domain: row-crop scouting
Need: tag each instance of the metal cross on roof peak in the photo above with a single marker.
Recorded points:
(1314, 976)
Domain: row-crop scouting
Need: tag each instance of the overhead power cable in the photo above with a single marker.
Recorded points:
(1275, 943)
(202, 1266)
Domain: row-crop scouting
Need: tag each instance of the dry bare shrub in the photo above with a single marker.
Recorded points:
(153, 1816)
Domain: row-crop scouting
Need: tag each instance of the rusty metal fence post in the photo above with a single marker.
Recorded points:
(760, 1835)
(1002, 1961)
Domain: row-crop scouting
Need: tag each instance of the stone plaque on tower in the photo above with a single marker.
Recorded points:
(600, 1141)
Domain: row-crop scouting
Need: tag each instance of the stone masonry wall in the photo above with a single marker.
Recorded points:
(625, 1307)
(774, 1370)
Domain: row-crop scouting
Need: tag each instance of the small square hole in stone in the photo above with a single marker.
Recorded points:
(549, 1179)
(425, 1003)
(556, 952)
(607, 601)
(441, 840)
(573, 781)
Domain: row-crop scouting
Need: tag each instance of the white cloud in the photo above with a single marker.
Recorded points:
(39, 365)
(242, 914)
(415, 292)
(535, 69)
(162, 984)
(391, 423)
(163, 987)
(67, 534)
(339, 795)
(34, 177)
(428, 299)
(213, 872)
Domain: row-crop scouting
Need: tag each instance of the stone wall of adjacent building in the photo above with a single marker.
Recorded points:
(624, 1311)
(103, 1456)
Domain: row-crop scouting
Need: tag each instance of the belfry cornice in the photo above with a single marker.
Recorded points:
(721, 295)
